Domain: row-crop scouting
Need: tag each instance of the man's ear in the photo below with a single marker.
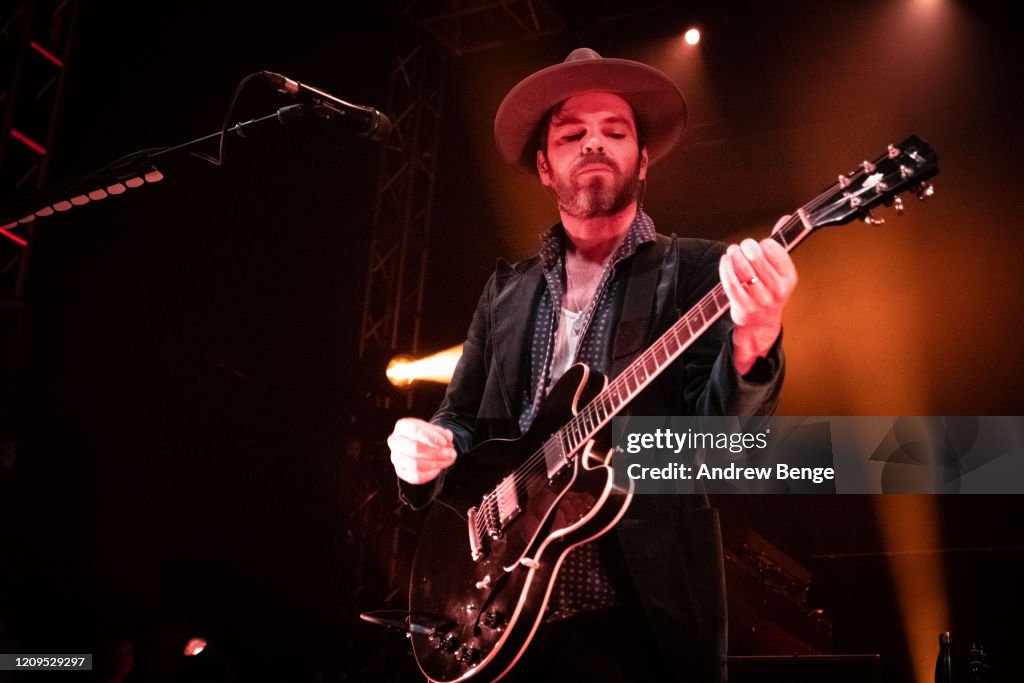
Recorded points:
(643, 164)
(543, 169)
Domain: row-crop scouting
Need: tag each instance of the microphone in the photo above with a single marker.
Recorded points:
(373, 123)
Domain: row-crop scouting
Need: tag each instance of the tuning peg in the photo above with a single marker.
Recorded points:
(867, 166)
(925, 191)
(844, 180)
(894, 151)
(872, 219)
(896, 203)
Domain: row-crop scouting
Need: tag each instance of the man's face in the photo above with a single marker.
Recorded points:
(593, 162)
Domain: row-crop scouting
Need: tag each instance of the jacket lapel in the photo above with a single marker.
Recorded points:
(647, 290)
(518, 293)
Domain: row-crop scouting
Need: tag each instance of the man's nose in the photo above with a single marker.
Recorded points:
(593, 145)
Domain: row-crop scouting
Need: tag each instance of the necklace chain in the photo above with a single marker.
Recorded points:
(572, 290)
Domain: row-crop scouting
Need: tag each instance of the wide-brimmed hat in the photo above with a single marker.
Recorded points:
(659, 105)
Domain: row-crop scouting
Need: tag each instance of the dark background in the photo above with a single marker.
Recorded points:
(191, 396)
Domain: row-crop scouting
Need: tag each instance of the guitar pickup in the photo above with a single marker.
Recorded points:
(508, 500)
(554, 455)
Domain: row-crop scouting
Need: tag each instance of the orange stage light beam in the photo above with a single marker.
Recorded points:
(404, 370)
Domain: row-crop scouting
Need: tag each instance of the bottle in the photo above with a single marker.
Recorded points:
(944, 664)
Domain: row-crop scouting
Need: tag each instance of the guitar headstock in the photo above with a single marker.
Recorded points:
(904, 167)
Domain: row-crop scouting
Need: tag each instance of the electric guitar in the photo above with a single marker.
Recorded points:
(488, 556)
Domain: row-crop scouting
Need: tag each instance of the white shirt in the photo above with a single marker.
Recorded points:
(567, 341)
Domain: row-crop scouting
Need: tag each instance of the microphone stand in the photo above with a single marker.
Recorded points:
(133, 170)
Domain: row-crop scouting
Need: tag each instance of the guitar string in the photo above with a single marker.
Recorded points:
(528, 474)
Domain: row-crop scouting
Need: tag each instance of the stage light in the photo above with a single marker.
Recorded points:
(404, 370)
(194, 647)
(692, 36)
(398, 371)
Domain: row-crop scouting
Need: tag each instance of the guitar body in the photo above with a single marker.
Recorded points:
(484, 612)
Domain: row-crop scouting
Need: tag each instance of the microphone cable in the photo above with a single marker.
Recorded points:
(219, 160)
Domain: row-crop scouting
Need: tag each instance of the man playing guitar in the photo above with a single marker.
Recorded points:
(647, 598)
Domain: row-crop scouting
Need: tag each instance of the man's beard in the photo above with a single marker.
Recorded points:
(593, 196)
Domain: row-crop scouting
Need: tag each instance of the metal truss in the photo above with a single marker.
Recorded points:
(399, 243)
(35, 41)
(430, 33)
(462, 28)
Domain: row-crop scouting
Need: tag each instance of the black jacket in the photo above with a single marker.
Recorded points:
(672, 543)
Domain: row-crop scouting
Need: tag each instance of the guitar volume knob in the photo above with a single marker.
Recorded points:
(493, 619)
(467, 654)
(449, 644)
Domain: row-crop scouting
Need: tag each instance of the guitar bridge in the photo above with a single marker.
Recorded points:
(476, 548)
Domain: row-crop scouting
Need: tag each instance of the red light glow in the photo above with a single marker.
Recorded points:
(194, 647)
